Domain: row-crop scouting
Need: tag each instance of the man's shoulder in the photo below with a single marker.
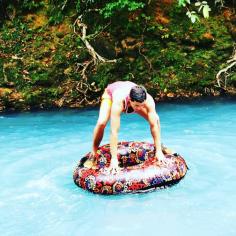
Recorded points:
(151, 106)
(150, 99)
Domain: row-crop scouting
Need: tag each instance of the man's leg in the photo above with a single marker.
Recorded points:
(104, 116)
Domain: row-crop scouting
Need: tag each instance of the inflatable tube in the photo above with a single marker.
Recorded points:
(140, 172)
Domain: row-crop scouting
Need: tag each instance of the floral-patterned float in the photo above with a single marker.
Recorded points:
(140, 171)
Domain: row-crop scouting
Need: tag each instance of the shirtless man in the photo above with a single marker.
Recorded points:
(127, 97)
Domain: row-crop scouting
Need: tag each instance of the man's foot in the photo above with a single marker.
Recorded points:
(113, 168)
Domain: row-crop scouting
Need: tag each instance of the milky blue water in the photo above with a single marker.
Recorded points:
(38, 152)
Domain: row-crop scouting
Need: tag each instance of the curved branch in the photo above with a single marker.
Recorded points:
(96, 57)
(83, 87)
(225, 71)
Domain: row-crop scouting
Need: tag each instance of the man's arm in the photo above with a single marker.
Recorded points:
(154, 123)
(155, 129)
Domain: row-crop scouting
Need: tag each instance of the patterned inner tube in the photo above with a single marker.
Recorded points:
(140, 171)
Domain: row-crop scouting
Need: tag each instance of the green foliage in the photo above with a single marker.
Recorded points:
(193, 16)
(56, 17)
(200, 7)
(58, 9)
(183, 3)
(103, 76)
(45, 63)
(40, 98)
(10, 7)
(233, 79)
(41, 77)
(204, 7)
(31, 4)
(111, 8)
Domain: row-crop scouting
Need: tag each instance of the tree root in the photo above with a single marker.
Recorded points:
(83, 86)
(223, 75)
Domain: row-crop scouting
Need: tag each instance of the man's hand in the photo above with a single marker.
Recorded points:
(113, 168)
(92, 156)
(160, 157)
(90, 163)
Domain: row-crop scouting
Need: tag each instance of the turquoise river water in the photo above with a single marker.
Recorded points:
(39, 150)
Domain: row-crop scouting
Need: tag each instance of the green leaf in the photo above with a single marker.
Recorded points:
(78, 6)
(200, 8)
(193, 18)
(206, 10)
(181, 3)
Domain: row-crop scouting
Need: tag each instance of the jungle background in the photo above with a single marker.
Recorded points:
(63, 53)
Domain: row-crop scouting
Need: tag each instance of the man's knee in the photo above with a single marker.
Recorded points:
(101, 124)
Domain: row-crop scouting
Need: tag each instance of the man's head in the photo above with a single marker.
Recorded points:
(138, 95)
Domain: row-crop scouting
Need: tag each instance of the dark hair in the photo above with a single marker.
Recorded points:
(138, 94)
